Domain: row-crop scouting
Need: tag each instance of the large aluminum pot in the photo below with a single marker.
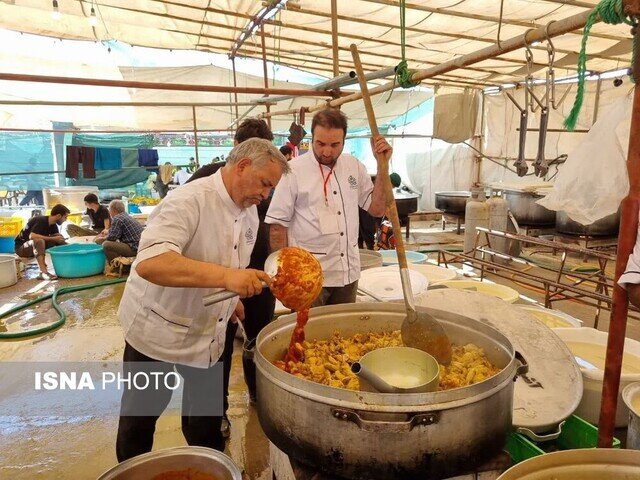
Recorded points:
(526, 211)
(607, 226)
(452, 202)
(365, 435)
(149, 465)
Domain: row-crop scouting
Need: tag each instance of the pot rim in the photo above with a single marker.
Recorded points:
(382, 402)
(628, 393)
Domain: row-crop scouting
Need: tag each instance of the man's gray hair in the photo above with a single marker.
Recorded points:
(261, 152)
(117, 206)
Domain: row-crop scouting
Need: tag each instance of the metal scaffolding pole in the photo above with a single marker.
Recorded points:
(630, 208)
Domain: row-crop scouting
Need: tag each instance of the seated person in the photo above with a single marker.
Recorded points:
(123, 236)
(287, 152)
(99, 215)
(181, 176)
(40, 233)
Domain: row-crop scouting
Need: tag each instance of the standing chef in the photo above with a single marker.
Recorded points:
(198, 239)
(316, 207)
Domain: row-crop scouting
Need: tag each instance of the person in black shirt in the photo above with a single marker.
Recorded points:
(99, 215)
(249, 128)
(40, 233)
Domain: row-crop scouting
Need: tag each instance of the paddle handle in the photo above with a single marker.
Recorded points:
(222, 295)
(383, 167)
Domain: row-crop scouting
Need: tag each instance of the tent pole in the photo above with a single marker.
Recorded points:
(235, 84)
(195, 135)
(334, 38)
(630, 208)
(162, 86)
(264, 70)
(555, 29)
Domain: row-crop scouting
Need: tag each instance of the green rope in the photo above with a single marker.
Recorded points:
(54, 302)
(403, 73)
(609, 11)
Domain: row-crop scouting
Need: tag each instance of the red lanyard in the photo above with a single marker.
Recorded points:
(325, 180)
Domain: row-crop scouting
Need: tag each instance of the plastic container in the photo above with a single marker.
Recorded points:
(8, 272)
(576, 433)
(7, 244)
(77, 260)
(552, 318)
(503, 292)
(434, 274)
(390, 257)
(589, 407)
(10, 226)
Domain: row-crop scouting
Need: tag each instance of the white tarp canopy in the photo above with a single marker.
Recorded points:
(155, 118)
(300, 35)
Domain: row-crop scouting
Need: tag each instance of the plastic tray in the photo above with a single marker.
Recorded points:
(576, 433)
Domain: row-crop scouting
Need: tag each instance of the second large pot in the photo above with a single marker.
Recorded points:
(363, 435)
(526, 211)
(607, 226)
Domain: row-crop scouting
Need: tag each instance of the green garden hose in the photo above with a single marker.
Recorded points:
(54, 301)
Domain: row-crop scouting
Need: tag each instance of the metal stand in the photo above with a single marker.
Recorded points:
(453, 218)
(593, 288)
(431, 216)
(587, 241)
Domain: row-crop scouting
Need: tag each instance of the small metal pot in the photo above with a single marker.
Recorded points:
(452, 202)
(149, 465)
(526, 211)
(607, 226)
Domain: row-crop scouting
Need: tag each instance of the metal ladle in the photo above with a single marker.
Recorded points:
(270, 268)
(419, 329)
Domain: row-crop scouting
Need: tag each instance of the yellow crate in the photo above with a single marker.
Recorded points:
(75, 218)
(10, 226)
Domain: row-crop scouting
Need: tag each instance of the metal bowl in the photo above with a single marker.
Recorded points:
(149, 465)
(393, 363)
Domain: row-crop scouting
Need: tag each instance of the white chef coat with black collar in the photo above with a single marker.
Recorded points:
(299, 202)
(201, 222)
(631, 274)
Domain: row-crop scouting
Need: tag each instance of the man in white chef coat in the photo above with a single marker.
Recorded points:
(197, 240)
(630, 279)
(316, 206)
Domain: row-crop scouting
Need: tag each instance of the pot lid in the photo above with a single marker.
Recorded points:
(552, 389)
(385, 282)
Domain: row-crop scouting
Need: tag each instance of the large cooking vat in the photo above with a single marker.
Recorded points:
(526, 211)
(452, 202)
(606, 226)
(364, 435)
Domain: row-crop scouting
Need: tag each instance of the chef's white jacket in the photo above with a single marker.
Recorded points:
(201, 222)
(300, 197)
(631, 274)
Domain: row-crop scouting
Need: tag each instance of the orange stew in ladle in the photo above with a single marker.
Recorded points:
(297, 284)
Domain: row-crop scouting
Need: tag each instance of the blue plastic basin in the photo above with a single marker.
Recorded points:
(7, 244)
(390, 257)
(77, 260)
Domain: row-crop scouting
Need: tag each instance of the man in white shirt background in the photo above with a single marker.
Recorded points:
(199, 239)
(181, 176)
(316, 206)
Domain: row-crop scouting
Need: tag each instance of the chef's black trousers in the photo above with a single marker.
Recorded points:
(135, 433)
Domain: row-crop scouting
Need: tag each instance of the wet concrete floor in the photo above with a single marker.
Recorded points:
(83, 446)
